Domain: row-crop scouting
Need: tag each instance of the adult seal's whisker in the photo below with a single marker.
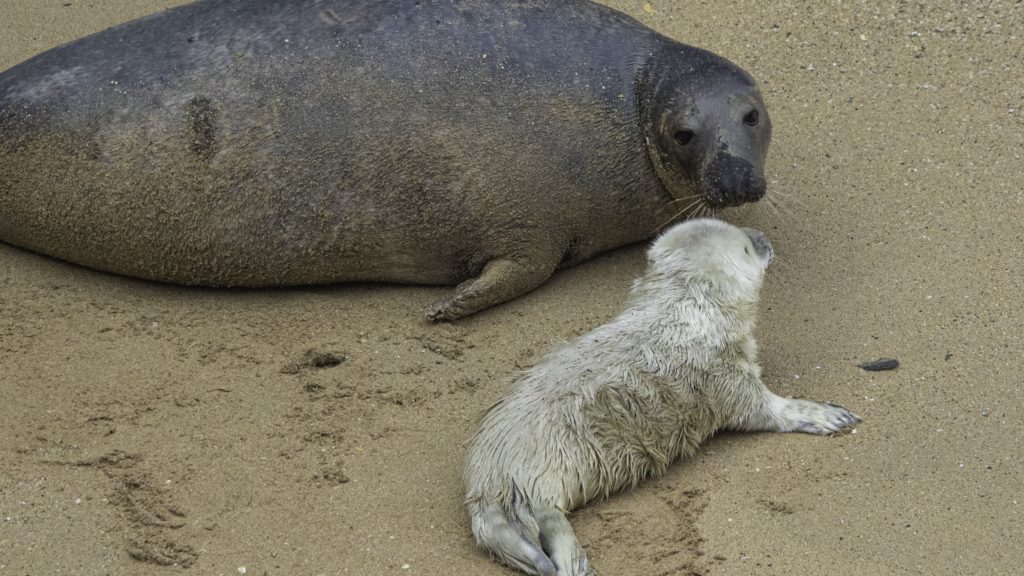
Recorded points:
(685, 198)
(682, 212)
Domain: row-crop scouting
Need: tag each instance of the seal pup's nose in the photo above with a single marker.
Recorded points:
(762, 245)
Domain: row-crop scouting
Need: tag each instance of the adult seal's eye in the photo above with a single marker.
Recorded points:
(683, 137)
(752, 118)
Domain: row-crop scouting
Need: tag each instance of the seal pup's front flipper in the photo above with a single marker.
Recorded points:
(768, 412)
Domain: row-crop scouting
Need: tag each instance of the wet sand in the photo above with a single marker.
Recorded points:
(144, 424)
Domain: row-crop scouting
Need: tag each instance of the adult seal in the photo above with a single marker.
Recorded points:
(483, 143)
(623, 402)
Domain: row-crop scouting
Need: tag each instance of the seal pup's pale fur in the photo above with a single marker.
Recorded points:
(621, 403)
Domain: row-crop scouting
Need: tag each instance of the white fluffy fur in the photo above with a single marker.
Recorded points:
(621, 403)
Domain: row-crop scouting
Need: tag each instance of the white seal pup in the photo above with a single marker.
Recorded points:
(621, 403)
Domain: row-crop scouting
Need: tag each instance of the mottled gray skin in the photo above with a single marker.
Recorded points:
(287, 142)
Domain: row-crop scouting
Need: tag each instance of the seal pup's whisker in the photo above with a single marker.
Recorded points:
(783, 197)
(786, 212)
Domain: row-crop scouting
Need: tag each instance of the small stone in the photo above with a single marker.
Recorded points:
(242, 569)
(406, 566)
(648, 8)
(881, 364)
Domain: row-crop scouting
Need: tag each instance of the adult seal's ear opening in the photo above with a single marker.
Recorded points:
(705, 126)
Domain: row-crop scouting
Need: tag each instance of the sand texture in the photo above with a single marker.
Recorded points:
(151, 429)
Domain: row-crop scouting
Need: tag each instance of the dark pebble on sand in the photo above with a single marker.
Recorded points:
(882, 364)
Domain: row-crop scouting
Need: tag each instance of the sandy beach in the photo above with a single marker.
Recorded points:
(153, 429)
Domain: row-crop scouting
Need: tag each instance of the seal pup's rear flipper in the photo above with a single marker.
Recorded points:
(514, 541)
(560, 544)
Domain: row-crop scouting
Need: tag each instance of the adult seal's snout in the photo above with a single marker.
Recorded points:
(732, 181)
(284, 142)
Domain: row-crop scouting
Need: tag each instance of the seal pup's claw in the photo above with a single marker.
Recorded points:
(779, 414)
(822, 418)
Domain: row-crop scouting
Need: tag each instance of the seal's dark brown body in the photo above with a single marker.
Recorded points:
(284, 142)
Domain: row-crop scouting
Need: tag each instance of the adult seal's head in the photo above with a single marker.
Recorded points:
(705, 126)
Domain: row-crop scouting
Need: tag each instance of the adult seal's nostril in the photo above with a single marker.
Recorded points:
(755, 187)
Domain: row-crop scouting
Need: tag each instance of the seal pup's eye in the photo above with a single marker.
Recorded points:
(746, 250)
(752, 118)
(683, 137)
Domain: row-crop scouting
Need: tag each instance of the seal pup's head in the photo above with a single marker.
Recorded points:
(705, 126)
(711, 259)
